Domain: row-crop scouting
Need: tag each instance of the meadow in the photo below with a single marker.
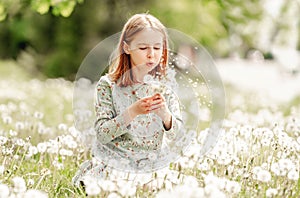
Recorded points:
(257, 153)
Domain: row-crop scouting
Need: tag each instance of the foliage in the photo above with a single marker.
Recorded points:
(59, 33)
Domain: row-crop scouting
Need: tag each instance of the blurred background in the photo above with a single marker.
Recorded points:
(50, 38)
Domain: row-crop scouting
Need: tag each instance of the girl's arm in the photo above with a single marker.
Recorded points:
(176, 118)
(108, 125)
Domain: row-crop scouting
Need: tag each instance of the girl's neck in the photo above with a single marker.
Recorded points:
(138, 75)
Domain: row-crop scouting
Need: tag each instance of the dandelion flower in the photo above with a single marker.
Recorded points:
(293, 175)
(271, 192)
(31, 193)
(92, 189)
(2, 169)
(19, 185)
(264, 176)
(4, 191)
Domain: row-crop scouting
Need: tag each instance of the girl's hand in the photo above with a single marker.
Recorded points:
(142, 106)
(160, 108)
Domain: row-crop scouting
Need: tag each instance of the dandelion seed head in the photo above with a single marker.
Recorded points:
(4, 190)
(271, 192)
(13, 133)
(2, 169)
(19, 185)
(3, 140)
(32, 193)
(293, 174)
(19, 126)
(113, 195)
(264, 176)
(92, 189)
(233, 187)
(38, 115)
(7, 120)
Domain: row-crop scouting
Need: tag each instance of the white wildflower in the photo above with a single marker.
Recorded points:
(19, 126)
(30, 182)
(2, 169)
(42, 147)
(271, 192)
(113, 195)
(13, 133)
(107, 185)
(127, 190)
(31, 193)
(62, 127)
(19, 185)
(293, 175)
(264, 176)
(233, 187)
(3, 140)
(4, 191)
(191, 181)
(38, 115)
(92, 189)
(7, 119)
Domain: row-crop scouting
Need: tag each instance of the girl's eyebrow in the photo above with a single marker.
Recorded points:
(149, 44)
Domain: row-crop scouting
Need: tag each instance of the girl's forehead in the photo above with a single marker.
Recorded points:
(148, 36)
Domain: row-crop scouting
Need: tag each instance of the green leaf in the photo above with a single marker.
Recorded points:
(41, 6)
(2, 12)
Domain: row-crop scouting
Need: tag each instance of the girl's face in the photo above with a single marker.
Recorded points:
(145, 50)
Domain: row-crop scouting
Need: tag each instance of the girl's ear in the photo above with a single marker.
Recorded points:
(125, 47)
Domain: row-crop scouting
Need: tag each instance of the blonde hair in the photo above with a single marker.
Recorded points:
(120, 69)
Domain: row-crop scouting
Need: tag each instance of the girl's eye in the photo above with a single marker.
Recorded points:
(157, 48)
(143, 48)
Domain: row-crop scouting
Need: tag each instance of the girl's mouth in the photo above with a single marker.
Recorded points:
(150, 64)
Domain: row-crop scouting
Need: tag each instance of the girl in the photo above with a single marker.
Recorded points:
(138, 115)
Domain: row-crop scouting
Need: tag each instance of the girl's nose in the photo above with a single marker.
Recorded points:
(150, 53)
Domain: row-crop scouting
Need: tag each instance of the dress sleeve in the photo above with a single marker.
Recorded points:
(174, 107)
(108, 125)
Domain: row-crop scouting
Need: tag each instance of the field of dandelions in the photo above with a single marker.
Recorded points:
(257, 154)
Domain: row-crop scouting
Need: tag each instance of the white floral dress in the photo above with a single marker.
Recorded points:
(142, 146)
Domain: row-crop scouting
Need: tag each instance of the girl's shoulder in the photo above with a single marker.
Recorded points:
(105, 81)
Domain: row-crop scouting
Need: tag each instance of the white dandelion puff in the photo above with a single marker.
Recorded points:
(19, 185)
(4, 191)
(271, 192)
(264, 176)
